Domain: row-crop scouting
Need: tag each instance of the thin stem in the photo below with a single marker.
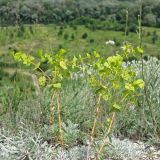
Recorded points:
(94, 125)
(59, 120)
(42, 71)
(140, 35)
(126, 27)
(51, 119)
(105, 136)
(140, 24)
(96, 117)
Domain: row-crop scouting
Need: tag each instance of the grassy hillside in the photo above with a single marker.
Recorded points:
(76, 40)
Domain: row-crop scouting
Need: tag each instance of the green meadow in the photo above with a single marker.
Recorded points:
(76, 39)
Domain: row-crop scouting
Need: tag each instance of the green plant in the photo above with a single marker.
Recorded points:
(115, 84)
(109, 78)
(58, 70)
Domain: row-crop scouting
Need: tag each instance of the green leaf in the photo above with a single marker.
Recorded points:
(106, 64)
(116, 106)
(74, 62)
(140, 50)
(80, 58)
(106, 96)
(115, 60)
(63, 64)
(57, 85)
(126, 76)
(88, 55)
(39, 53)
(140, 83)
(12, 53)
(37, 65)
(93, 81)
(116, 85)
(96, 55)
(42, 80)
(62, 51)
(129, 87)
(18, 56)
(75, 59)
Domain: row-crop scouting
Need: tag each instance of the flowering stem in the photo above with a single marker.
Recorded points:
(126, 28)
(105, 136)
(51, 114)
(59, 120)
(94, 125)
(96, 117)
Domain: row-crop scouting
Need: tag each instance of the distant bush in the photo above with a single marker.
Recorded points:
(133, 28)
(150, 19)
(148, 33)
(60, 32)
(60, 46)
(66, 36)
(72, 37)
(74, 27)
(85, 35)
(154, 37)
(31, 29)
(117, 43)
(21, 31)
(91, 40)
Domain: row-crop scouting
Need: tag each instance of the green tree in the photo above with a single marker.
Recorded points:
(85, 35)
(149, 20)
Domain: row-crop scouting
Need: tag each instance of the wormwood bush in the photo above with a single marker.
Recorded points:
(110, 80)
(70, 132)
(126, 150)
(24, 145)
(143, 122)
(29, 145)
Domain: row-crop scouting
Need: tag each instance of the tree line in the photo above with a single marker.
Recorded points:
(94, 13)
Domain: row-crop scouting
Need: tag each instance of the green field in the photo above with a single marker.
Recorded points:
(51, 37)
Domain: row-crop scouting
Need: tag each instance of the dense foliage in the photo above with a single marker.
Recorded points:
(109, 79)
